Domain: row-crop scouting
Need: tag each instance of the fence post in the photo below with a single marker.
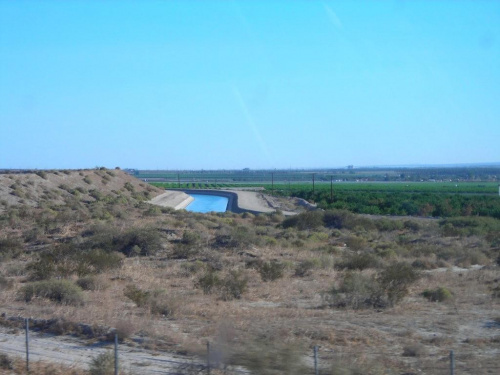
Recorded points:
(452, 363)
(116, 353)
(27, 327)
(316, 372)
(208, 357)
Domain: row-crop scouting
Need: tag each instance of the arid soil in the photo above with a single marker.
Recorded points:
(53, 186)
(262, 289)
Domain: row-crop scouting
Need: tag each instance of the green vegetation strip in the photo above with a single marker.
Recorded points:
(434, 187)
(414, 199)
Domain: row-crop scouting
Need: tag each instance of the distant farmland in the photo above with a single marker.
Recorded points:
(490, 174)
(410, 187)
(436, 193)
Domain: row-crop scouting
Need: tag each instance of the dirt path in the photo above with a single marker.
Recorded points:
(73, 352)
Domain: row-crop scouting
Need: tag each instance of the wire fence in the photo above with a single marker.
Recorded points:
(271, 180)
(318, 361)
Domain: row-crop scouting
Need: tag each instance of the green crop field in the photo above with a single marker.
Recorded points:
(437, 199)
(409, 187)
(438, 192)
(436, 187)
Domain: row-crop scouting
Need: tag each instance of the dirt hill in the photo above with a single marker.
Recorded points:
(55, 187)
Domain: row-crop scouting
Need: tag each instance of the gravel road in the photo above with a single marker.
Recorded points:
(73, 352)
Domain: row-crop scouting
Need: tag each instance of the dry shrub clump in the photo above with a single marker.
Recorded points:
(124, 329)
(6, 363)
(10, 247)
(356, 291)
(17, 366)
(413, 350)
(344, 366)
(304, 221)
(228, 287)
(270, 271)
(384, 289)
(269, 357)
(92, 283)
(5, 283)
(60, 291)
(156, 301)
(67, 260)
(359, 261)
(305, 267)
(103, 364)
(439, 294)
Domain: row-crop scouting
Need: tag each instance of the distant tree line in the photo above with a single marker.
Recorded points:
(403, 203)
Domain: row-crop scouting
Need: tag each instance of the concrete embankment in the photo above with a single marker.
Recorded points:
(233, 197)
(174, 199)
(238, 201)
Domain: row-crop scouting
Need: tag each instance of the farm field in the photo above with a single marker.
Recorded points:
(490, 174)
(434, 187)
(434, 199)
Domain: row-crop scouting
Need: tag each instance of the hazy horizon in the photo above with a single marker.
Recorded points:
(394, 166)
(248, 84)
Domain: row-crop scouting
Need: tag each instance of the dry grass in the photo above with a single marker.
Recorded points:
(291, 309)
(286, 310)
(16, 366)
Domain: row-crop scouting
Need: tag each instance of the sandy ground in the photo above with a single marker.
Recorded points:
(247, 200)
(73, 352)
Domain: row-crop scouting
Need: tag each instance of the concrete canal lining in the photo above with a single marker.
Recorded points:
(232, 204)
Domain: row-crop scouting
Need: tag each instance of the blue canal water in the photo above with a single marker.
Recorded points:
(207, 203)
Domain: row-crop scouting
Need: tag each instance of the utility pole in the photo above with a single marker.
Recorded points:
(272, 183)
(331, 188)
(179, 180)
(313, 182)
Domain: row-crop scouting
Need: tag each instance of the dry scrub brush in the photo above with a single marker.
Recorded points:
(174, 277)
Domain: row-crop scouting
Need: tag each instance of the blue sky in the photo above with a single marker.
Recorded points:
(262, 84)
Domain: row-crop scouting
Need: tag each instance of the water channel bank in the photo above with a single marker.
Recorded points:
(233, 199)
(238, 201)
